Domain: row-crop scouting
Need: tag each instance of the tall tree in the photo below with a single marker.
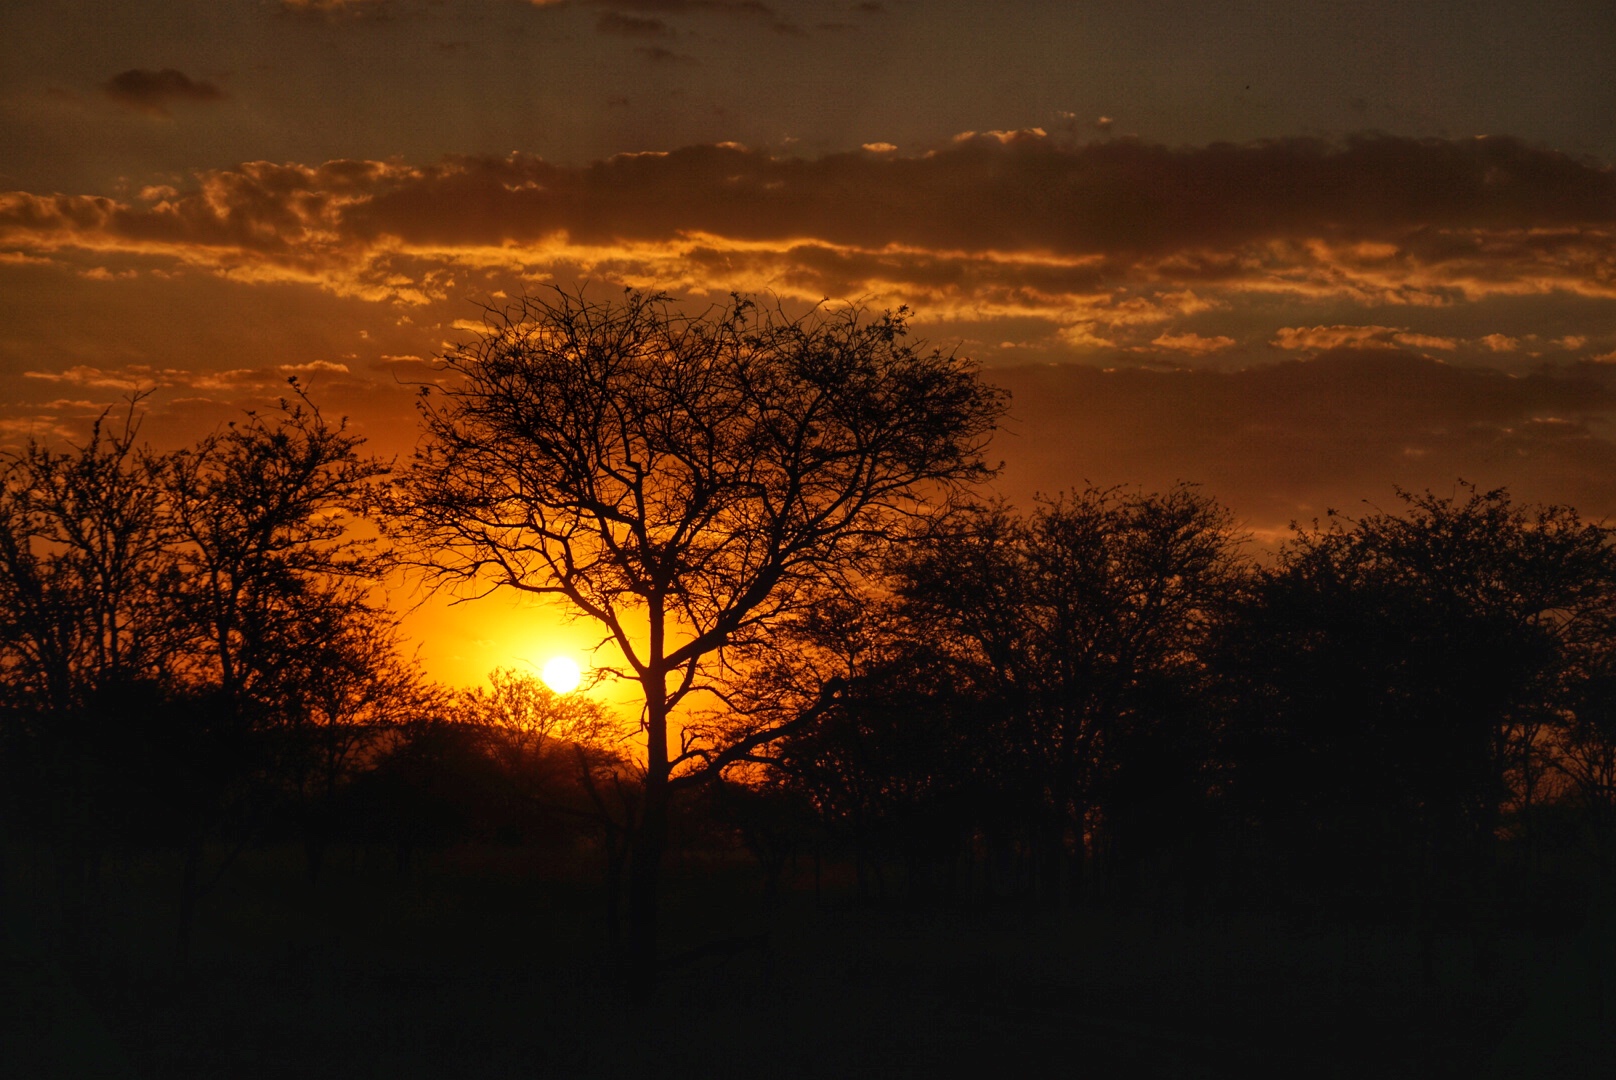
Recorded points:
(1086, 620)
(686, 482)
(86, 567)
(86, 631)
(1394, 675)
(263, 512)
(263, 515)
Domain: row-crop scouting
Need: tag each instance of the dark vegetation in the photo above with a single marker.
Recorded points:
(921, 785)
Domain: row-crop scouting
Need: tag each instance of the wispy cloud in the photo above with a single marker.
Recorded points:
(1363, 337)
(138, 377)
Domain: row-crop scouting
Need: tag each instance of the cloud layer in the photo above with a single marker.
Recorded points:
(1112, 242)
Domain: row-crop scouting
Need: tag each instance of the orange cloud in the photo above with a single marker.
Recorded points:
(136, 377)
(1194, 344)
(1364, 337)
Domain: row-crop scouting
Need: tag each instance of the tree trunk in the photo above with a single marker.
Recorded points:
(651, 838)
(645, 864)
(616, 856)
(190, 894)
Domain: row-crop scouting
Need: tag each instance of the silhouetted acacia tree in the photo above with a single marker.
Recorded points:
(685, 482)
(263, 514)
(171, 619)
(899, 766)
(86, 567)
(86, 627)
(1086, 621)
(1396, 677)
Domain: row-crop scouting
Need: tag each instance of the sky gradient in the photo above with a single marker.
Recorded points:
(1297, 252)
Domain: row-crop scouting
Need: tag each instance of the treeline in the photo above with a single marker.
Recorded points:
(1409, 714)
(1108, 698)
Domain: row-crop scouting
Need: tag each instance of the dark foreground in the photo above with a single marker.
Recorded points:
(473, 965)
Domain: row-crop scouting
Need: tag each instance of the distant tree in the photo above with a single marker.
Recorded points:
(1086, 621)
(524, 717)
(343, 688)
(86, 567)
(560, 756)
(686, 483)
(87, 631)
(1396, 677)
(263, 515)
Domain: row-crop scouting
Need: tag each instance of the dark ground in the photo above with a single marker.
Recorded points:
(477, 965)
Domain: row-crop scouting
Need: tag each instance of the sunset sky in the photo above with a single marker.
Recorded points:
(1299, 252)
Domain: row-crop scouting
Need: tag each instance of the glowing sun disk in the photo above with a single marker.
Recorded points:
(561, 674)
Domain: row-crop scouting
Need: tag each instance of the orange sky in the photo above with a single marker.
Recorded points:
(1295, 256)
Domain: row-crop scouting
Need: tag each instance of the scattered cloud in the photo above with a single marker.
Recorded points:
(154, 91)
(1364, 337)
(140, 377)
(1193, 343)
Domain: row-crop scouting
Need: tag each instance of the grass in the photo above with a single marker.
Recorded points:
(489, 964)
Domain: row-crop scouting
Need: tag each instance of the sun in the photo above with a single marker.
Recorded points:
(561, 674)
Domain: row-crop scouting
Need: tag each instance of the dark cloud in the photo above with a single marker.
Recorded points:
(632, 26)
(1020, 191)
(154, 91)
